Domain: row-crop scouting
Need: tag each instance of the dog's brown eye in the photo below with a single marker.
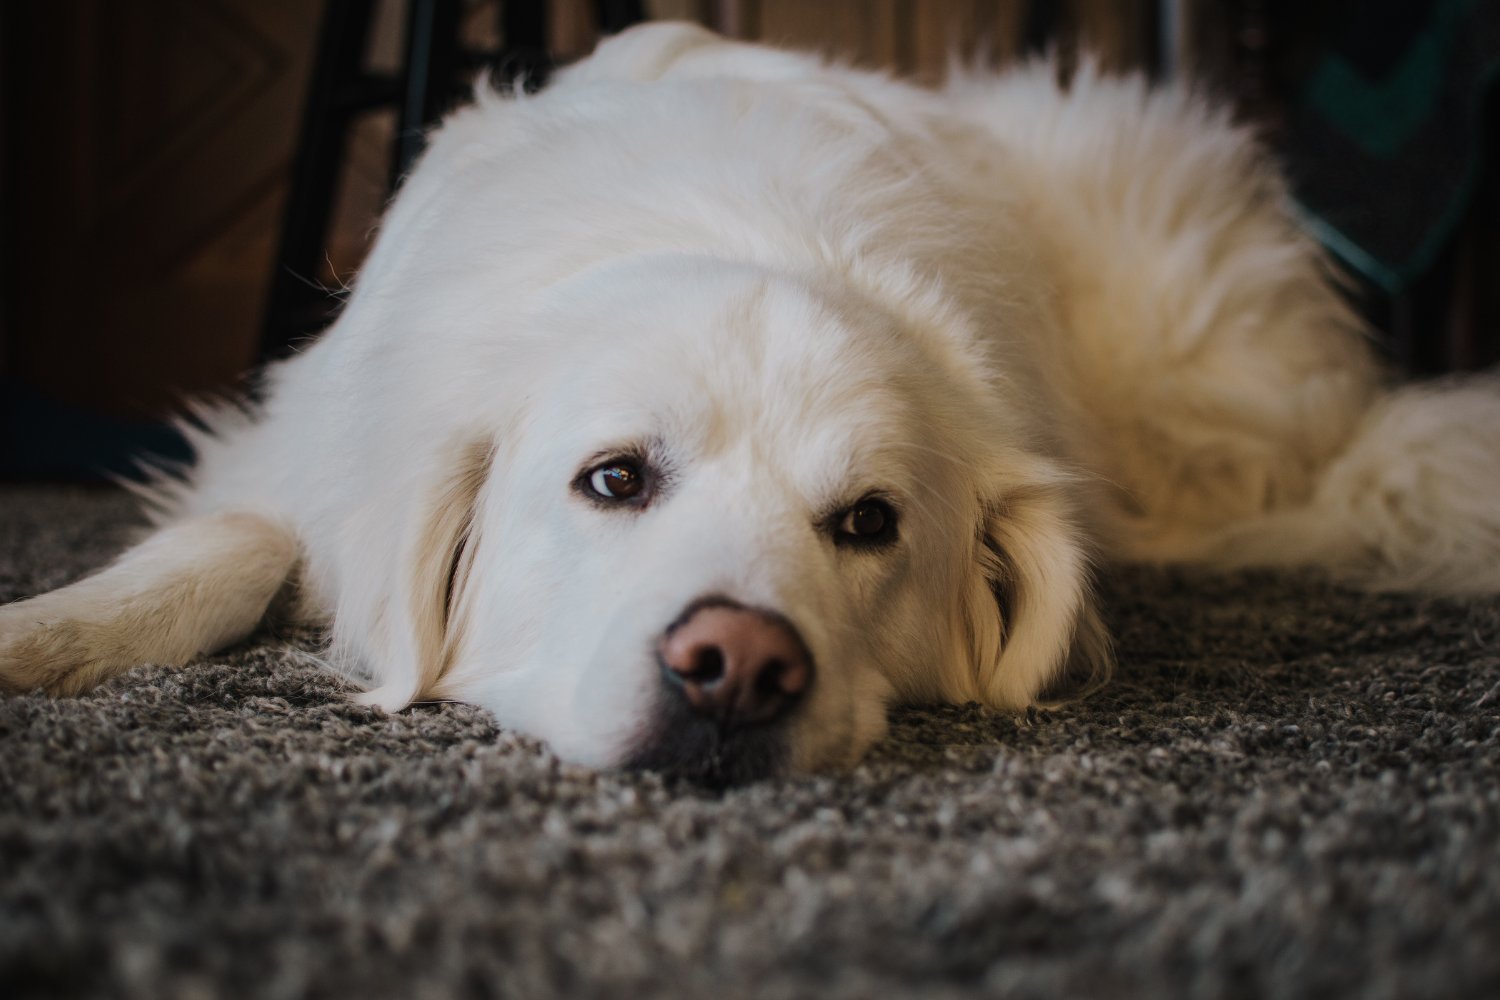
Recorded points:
(869, 522)
(616, 481)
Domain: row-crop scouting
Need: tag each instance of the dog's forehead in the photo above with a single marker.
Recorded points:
(710, 355)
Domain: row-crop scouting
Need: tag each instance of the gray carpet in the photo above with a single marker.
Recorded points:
(1290, 791)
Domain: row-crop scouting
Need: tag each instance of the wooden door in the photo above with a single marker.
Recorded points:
(146, 149)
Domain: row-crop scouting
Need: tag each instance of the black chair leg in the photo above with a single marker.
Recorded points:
(617, 15)
(431, 59)
(525, 56)
(339, 89)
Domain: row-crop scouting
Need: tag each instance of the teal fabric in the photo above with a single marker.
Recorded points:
(1382, 116)
(1385, 139)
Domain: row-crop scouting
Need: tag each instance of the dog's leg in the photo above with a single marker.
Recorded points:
(190, 588)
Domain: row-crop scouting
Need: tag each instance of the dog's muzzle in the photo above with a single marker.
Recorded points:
(731, 676)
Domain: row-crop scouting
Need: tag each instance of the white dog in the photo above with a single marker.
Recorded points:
(693, 411)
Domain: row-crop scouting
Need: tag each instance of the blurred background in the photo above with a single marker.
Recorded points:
(186, 185)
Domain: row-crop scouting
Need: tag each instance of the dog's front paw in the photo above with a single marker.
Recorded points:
(40, 651)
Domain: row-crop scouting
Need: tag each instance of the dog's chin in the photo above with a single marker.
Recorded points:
(679, 743)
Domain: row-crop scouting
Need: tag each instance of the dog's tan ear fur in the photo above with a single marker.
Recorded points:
(1034, 632)
(441, 565)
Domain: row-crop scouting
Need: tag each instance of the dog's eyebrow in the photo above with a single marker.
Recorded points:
(649, 447)
(631, 450)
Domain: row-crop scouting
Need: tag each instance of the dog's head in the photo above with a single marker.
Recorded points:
(729, 517)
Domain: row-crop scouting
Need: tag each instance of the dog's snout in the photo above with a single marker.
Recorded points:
(735, 664)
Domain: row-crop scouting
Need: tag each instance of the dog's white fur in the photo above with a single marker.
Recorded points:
(1052, 324)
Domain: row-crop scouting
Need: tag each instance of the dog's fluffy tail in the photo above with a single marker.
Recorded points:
(1412, 503)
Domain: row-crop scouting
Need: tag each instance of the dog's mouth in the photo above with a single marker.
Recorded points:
(680, 743)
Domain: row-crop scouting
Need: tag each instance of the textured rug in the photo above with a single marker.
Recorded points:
(1291, 790)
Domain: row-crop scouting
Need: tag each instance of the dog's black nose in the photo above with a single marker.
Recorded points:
(736, 665)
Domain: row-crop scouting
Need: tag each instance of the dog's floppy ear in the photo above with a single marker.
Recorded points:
(1034, 632)
(440, 564)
